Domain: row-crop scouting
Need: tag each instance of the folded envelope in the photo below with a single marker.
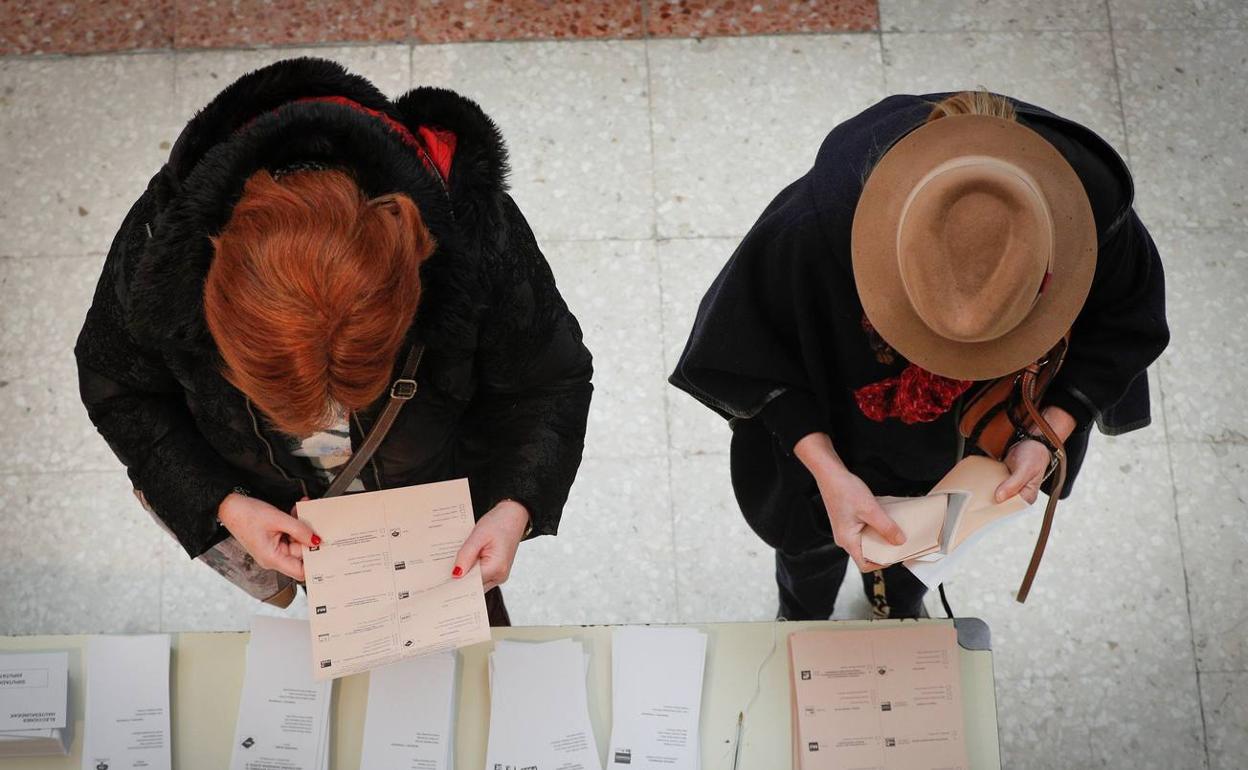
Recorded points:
(961, 504)
(920, 518)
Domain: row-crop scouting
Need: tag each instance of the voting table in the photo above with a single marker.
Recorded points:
(747, 669)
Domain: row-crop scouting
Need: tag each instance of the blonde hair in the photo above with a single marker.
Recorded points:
(979, 102)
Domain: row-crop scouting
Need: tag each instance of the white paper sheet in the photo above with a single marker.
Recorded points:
(411, 715)
(127, 712)
(656, 693)
(34, 690)
(283, 714)
(539, 707)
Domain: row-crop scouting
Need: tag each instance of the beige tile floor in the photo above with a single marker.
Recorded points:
(640, 164)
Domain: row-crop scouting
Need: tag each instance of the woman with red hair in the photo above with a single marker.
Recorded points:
(312, 258)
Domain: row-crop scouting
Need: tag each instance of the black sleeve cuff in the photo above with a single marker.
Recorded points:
(791, 416)
(1064, 399)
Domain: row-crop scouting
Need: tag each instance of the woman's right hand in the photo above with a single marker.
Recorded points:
(851, 505)
(269, 534)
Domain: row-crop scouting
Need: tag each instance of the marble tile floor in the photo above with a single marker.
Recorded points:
(640, 163)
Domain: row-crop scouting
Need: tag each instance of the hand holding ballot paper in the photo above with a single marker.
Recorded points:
(942, 526)
(379, 584)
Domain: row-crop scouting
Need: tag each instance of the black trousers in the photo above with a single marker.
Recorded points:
(810, 580)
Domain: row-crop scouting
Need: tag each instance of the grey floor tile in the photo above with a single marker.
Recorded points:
(1109, 596)
(574, 117)
(1101, 719)
(1070, 73)
(1226, 718)
(687, 267)
(43, 301)
(613, 289)
(201, 75)
(1178, 14)
(612, 561)
(1206, 299)
(79, 138)
(1188, 146)
(990, 15)
(724, 572)
(39, 403)
(737, 119)
(1211, 482)
(86, 561)
(195, 598)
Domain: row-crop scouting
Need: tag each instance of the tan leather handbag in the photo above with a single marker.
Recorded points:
(1007, 410)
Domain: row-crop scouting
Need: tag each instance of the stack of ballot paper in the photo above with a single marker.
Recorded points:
(127, 712)
(878, 698)
(283, 714)
(943, 526)
(656, 697)
(379, 584)
(34, 704)
(411, 715)
(539, 707)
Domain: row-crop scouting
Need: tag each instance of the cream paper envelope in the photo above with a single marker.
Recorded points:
(980, 477)
(920, 518)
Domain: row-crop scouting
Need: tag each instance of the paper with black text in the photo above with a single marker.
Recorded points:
(34, 704)
(656, 695)
(283, 713)
(379, 584)
(127, 711)
(411, 715)
(539, 707)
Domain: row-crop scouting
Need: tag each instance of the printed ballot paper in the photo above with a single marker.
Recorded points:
(539, 707)
(943, 526)
(34, 704)
(656, 697)
(411, 715)
(127, 712)
(283, 713)
(379, 584)
(877, 698)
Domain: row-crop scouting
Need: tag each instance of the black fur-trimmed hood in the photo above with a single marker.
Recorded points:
(242, 131)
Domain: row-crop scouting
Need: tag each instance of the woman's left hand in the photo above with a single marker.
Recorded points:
(1028, 462)
(493, 542)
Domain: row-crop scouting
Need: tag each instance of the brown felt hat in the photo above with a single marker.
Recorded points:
(973, 246)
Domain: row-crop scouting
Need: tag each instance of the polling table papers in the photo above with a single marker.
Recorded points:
(34, 704)
(410, 720)
(379, 584)
(656, 696)
(283, 713)
(539, 707)
(127, 711)
(877, 698)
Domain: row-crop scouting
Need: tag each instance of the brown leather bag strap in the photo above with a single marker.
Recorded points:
(1028, 398)
(402, 391)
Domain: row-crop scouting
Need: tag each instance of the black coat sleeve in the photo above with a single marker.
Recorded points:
(746, 356)
(1120, 331)
(140, 409)
(527, 420)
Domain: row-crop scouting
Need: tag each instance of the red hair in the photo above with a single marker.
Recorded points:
(311, 292)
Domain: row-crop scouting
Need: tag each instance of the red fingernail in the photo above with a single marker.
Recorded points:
(457, 572)
(316, 540)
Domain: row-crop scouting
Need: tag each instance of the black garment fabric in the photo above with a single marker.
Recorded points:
(778, 346)
(810, 581)
(504, 387)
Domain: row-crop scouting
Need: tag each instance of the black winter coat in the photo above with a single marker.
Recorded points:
(504, 388)
(779, 344)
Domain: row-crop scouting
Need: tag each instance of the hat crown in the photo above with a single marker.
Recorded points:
(974, 243)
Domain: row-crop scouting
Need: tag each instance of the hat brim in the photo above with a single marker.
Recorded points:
(877, 271)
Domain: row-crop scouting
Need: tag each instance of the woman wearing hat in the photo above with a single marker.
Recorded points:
(937, 242)
(313, 257)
